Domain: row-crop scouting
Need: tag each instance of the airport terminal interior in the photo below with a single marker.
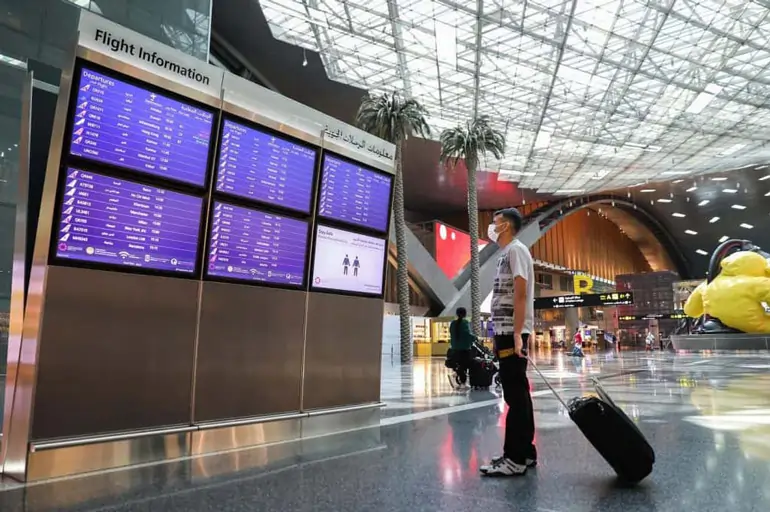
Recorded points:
(238, 239)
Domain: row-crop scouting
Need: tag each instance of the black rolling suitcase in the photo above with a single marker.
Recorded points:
(481, 373)
(611, 432)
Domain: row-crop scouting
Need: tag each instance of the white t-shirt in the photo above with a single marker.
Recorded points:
(516, 261)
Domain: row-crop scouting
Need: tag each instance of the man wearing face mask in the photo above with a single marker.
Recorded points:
(513, 316)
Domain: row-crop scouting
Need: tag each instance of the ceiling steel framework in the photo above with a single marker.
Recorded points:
(592, 94)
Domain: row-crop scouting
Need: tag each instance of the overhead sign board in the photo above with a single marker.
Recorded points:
(585, 300)
(667, 316)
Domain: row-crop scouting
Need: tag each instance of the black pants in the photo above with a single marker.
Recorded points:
(520, 421)
(463, 361)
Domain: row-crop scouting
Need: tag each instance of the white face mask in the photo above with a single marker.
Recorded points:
(492, 234)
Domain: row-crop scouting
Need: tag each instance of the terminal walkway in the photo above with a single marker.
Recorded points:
(708, 418)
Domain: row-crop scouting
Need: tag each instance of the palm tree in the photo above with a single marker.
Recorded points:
(394, 118)
(470, 143)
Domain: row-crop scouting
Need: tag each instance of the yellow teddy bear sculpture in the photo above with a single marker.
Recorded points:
(736, 295)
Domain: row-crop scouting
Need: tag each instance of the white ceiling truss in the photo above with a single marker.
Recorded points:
(592, 94)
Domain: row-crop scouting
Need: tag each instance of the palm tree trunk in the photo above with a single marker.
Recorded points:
(473, 228)
(402, 270)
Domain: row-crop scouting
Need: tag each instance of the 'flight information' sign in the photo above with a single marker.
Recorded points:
(258, 165)
(354, 194)
(585, 300)
(121, 124)
(117, 222)
(250, 245)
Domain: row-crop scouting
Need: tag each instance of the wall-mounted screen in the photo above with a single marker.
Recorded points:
(354, 194)
(261, 166)
(250, 245)
(115, 122)
(348, 262)
(111, 221)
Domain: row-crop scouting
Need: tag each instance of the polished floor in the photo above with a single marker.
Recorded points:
(707, 415)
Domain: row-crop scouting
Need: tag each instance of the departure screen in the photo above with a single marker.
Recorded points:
(258, 165)
(117, 222)
(124, 125)
(354, 194)
(250, 245)
(348, 262)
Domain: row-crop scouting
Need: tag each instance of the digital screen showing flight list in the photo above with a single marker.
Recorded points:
(124, 125)
(354, 194)
(250, 245)
(117, 222)
(263, 167)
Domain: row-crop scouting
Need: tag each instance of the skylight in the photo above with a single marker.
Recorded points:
(568, 86)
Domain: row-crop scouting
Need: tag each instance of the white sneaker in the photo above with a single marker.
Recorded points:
(530, 463)
(503, 467)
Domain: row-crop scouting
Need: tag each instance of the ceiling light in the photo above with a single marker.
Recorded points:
(762, 167)
(729, 190)
(677, 181)
(691, 189)
(767, 194)
(704, 202)
(679, 215)
(690, 232)
(718, 178)
(647, 190)
(732, 149)
(738, 207)
(13, 62)
(703, 99)
(763, 178)
(702, 252)
(664, 200)
(713, 219)
(569, 191)
(746, 226)
(724, 239)
(674, 173)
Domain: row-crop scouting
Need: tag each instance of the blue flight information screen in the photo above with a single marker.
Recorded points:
(137, 129)
(264, 167)
(112, 221)
(354, 194)
(250, 245)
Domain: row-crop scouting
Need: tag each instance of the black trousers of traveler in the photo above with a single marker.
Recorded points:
(520, 420)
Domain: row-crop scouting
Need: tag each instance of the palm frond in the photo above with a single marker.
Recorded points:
(471, 141)
(392, 117)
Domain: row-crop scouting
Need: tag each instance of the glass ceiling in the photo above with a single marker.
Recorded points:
(592, 94)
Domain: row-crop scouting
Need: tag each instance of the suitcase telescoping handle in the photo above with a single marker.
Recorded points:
(555, 393)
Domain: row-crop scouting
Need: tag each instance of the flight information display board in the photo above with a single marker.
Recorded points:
(118, 123)
(354, 194)
(111, 221)
(250, 245)
(260, 166)
(348, 262)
